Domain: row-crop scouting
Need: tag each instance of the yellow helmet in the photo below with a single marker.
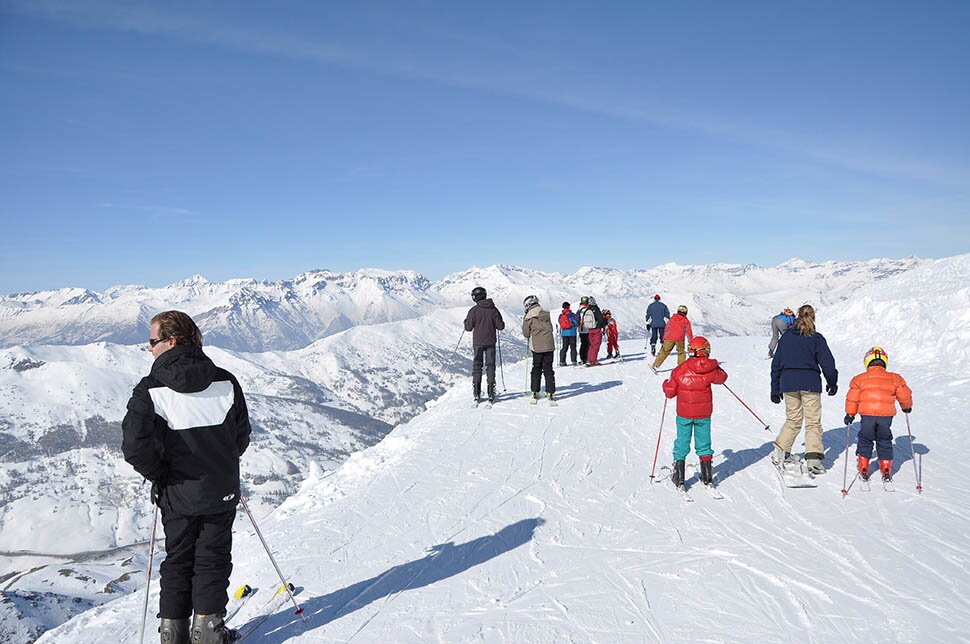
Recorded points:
(876, 353)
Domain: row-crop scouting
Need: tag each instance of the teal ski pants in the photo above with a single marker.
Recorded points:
(701, 429)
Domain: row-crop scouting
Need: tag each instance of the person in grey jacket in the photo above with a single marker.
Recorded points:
(483, 320)
(657, 316)
(537, 326)
(779, 324)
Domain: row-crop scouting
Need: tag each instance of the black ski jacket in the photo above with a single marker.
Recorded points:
(186, 427)
(483, 320)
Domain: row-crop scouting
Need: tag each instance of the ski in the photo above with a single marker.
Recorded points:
(239, 599)
(887, 485)
(710, 487)
(793, 474)
(684, 494)
(279, 598)
(864, 484)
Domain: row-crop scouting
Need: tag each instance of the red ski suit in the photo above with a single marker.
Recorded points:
(691, 382)
(677, 326)
(612, 336)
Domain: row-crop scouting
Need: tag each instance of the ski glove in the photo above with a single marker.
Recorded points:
(907, 410)
(156, 492)
(776, 398)
(831, 389)
(848, 419)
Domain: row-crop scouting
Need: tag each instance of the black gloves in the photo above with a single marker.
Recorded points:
(848, 419)
(831, 389)
(776, 398)
(907, 410)
(156, 492)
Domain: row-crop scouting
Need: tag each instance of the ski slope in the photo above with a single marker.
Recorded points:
(540, 524)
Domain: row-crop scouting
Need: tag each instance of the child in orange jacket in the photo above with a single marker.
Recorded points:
(873, 394)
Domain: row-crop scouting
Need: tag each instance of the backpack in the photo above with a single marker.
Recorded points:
(600, 319)
(564, 321)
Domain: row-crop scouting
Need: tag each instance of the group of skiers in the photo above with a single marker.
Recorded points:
(187, 425)
(589, 324)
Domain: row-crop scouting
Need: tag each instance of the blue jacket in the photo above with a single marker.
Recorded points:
(658, 314)
(572, 318)
(799, 360)
(787, 319)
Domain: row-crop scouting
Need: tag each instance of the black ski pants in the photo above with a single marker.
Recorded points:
(875, 429)
(583, 347)
(542, 366)
(568, 344)
(484, 356)
(197, 565)
(655, 333)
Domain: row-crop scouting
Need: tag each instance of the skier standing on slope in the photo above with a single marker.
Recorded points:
(802, 355)
(583, 329)
(678, 328)
(612, 335)
(593, 320)
(873, 394)
(568, 328)
(537, 326)
(483, 320)
(657, 316)
(690, 383)
(779, 324)
(186, 427)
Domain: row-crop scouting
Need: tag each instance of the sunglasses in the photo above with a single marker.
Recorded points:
(153, 341)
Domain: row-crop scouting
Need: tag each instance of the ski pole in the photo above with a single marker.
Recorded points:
(766, 428)
(501, 365)
(659, 433)
(912, 456)
(299, 611)
(845, 470)
(148, 575)
(455, 352)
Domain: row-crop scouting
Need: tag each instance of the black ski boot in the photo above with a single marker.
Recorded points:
(677, 475)
(653, 350)
(491, 393)
(174, 631)
(211, 629)
(707, 471)
(477, 393)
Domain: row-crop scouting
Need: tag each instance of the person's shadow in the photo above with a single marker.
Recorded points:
(444, 560)
(579, 388)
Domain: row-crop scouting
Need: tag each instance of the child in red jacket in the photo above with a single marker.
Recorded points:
(691, 383)
(873, 394)
(612, 336)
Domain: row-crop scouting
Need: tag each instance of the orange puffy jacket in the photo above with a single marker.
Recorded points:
(677, 326)
(875, 392)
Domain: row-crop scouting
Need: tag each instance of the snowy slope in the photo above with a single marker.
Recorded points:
(521, 524)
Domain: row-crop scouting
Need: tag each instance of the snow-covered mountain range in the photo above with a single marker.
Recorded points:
(541, 525)
(331, 362)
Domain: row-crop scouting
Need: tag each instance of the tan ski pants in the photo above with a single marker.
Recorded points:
(802, 406)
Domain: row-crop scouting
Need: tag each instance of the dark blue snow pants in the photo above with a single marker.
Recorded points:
(875, 429)
(655, 333)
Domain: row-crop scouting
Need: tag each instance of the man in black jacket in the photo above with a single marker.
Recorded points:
(483, 320)
(186, 427)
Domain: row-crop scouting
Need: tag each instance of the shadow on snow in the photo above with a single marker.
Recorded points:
(444, 560)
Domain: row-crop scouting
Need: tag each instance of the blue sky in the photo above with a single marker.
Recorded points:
(145, 142)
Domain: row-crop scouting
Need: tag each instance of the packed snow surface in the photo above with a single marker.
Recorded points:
(540, 524)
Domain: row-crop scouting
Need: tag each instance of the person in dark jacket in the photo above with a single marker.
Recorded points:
(690, 382)
(657, 316)
(186, 427)
(801, 358)
(483, 320)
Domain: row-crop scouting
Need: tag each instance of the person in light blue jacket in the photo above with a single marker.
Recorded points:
(779, 324)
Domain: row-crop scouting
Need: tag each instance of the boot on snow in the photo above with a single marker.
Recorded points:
(491, 393)
(677, 476)
(477, 393)
(815, 465)
(863, 466)
(886, 467)
(653, 349)
(211, 629)
(707, 470)
(174, 631)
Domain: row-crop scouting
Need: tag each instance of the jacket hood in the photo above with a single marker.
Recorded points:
(487, 303)
(185, 369)
(702, 365)
(533, 311)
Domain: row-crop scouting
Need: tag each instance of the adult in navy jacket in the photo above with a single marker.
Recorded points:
(186, 427)
(800, 361)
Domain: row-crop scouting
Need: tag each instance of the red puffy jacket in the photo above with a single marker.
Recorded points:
(691, 384)
(677, 326)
